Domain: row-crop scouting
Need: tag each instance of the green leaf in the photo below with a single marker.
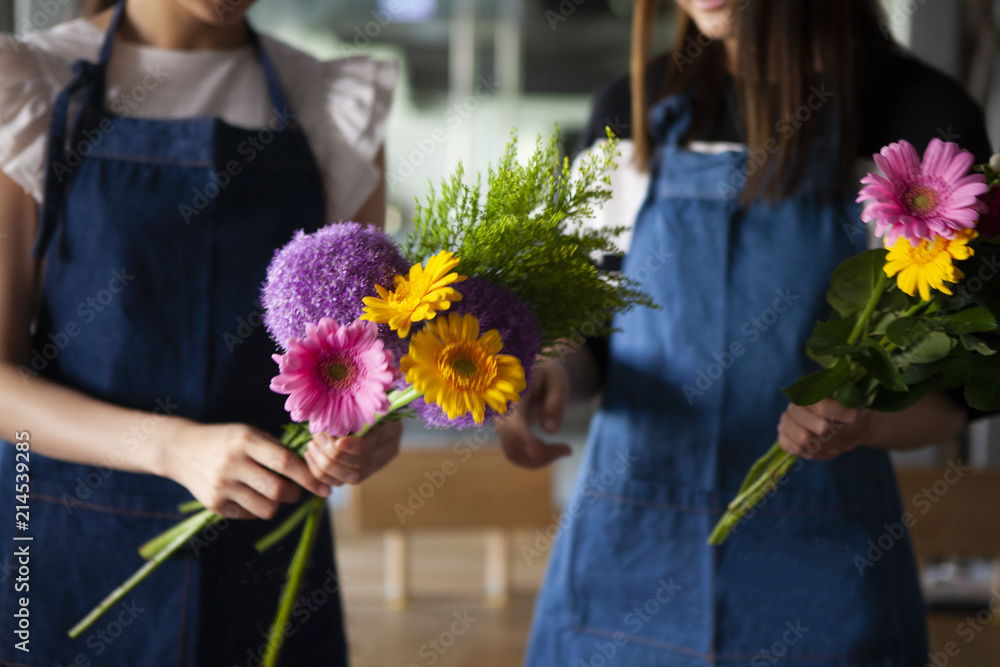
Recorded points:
(977, 345)
(980, 284)
(814, 387)
(854, 281)
(982, 391)
(894, 401)
(876, 360)
(906, 330)
(851, 395)
(830, 338)
(970, 320)
(917, 373)
(933, 347)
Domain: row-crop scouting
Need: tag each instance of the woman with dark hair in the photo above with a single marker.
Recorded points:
(152, 158)
(742, 152)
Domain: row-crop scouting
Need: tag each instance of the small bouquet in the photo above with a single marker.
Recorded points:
(448, 326)
(888, 342)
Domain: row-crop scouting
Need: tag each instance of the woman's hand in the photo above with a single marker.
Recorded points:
(236, 470)
(351, 460)
(823, 431)
(545, 402)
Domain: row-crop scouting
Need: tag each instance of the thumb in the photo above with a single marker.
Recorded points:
(553, 402)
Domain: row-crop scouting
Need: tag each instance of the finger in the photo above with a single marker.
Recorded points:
(385, 451)
(530, 452)
(283, 462)
(809, 419)
(318, 471)
(553, 404)
(255, 503)
(832, 410)
(268, 484)
(232, 510)
(330, 470)
(795, 439)
(349, 455)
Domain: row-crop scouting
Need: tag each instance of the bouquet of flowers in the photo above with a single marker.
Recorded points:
(447, 326)
(888, 342)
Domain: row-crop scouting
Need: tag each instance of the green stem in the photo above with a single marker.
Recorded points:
(156, 544)
(866, 314)
(759, 466)
(776, 468)
(397, 399)
(287, 526)
(190, 506)
(296, 572)
(206, 518)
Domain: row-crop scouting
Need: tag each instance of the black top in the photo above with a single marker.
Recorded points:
(907, 98)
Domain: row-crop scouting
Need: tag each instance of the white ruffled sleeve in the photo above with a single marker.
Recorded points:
(343, 106)
(26, 97)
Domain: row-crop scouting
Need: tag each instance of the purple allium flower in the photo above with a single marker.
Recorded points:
(498, 308)
(326, 274)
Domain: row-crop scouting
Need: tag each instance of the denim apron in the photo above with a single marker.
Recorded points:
(156, 236)
(692, 398)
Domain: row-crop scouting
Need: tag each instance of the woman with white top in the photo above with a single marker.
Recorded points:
(153, 157)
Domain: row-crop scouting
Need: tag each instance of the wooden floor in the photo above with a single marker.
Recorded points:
(447, 622)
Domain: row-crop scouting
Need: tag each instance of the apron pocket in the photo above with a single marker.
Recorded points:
(78, 555)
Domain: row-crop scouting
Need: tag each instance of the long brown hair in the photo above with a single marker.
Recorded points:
(92, 7)
(787, 50)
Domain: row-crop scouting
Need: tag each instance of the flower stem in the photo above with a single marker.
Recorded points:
(296, 572)
(759, 466)
(155, 545)
(397, 399)
(190, 506)
(763, 476)
(205, 519)
(279, 533)
(866, 314)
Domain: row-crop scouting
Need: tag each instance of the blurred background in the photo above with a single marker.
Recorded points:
(420, 547)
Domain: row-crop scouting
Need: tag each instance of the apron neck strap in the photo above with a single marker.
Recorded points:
(90, 80)
(274, 88)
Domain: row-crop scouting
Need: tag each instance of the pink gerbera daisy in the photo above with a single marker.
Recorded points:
(921, 201)
(336, 377)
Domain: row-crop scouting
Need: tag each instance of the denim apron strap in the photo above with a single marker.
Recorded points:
(91, 78)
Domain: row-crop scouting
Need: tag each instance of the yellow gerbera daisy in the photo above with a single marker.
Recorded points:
(417, 297)
(460, 371)
(928, 265)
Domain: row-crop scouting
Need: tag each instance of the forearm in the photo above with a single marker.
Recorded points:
(581, 370)
(935, 419)
(71, 426)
